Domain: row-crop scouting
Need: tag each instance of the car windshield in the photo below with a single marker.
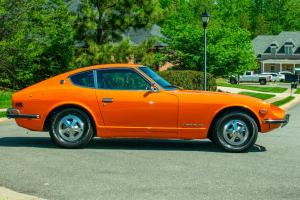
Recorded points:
(158, 79)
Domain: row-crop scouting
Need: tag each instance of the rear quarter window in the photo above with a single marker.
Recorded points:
(84, 79)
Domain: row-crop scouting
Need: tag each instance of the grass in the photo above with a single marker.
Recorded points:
(254, 88)
(5, 99)
(2, 114)
(283, 101)
(262, 96)
(297, 91)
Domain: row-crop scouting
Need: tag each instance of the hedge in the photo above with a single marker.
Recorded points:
(188, 79)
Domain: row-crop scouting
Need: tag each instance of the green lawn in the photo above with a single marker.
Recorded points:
(254, 88)
(5, 99)
(283, 101)
(262, 96)
(297, 91)
(2, 114)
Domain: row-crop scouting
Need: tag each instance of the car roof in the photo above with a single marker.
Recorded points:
(101, 66)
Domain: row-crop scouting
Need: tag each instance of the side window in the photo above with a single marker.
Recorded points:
(84, 79)
(248, 73)
(120, 79)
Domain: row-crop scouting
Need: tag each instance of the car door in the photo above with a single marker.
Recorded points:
(130, 109)
(248, 77)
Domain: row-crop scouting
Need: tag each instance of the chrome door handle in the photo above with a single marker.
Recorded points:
(107, 100)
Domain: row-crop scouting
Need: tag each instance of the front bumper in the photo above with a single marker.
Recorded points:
(283, 122)
(15, 113)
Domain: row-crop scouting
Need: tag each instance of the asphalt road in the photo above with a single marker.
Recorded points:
(151, 169)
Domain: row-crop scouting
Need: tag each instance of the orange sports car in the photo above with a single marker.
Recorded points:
(132, 101)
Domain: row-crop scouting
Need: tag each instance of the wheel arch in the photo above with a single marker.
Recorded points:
(57, 109)
(231, 109)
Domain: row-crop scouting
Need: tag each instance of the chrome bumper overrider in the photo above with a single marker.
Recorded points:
(15, 113)
(283, 122)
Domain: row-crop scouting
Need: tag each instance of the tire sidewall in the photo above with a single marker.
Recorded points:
(252, 127)
(263, 82)
(87, 134)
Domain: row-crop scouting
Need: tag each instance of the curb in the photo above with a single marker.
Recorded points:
(7, 194)
(291, 104)
(4, 119)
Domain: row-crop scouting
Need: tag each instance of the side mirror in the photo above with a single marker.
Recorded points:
(153, 88)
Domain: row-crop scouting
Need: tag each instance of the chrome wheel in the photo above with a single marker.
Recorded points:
(235, 132)
(71, 128)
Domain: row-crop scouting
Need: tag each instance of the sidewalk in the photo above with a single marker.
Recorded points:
(278, 96)
(7, 194)
(238, 90)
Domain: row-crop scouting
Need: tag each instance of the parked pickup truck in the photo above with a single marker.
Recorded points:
(250, 76)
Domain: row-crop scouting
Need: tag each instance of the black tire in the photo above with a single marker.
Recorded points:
(85, 135)
(219, 127)
(262, 81)
(211, 138)
(233, 80)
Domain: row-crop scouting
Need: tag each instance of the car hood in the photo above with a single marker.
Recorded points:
(222, 97)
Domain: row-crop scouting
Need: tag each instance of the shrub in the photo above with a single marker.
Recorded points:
(188, 79)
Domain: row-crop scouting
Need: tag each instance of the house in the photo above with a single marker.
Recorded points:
(138, 36)
(277, 53)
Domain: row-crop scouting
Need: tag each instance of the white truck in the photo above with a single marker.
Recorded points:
(250, 76)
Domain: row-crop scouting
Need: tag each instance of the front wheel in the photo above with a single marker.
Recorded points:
(235, 132)
(71, 128)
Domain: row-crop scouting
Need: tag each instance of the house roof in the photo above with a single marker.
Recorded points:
(137, 36)
(262, 42)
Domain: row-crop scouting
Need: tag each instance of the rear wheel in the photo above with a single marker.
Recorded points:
(233, 80)
(71, 128)
(262, 81)
(235, 132)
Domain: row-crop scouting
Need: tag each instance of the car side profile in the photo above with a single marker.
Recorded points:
(275, 76)
(132, 101)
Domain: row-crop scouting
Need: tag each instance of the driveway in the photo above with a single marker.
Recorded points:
(151, 169)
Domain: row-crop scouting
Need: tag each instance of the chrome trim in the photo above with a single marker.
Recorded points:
(15, 113)
(107, 100)
(235, 132)
(95, 78)
(193, 125)
(71, 128)
(284, 121)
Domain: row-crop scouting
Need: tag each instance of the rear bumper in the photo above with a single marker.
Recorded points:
(283, 122)
(15, 113)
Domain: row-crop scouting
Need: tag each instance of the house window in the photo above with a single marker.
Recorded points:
(273, 51)
(272, 68)
(288, 50)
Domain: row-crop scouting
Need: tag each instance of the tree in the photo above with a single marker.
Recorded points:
(100, 23)
(229, 46)
(36, 41)
(292, 15)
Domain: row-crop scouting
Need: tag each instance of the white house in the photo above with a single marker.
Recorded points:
(277, 53)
